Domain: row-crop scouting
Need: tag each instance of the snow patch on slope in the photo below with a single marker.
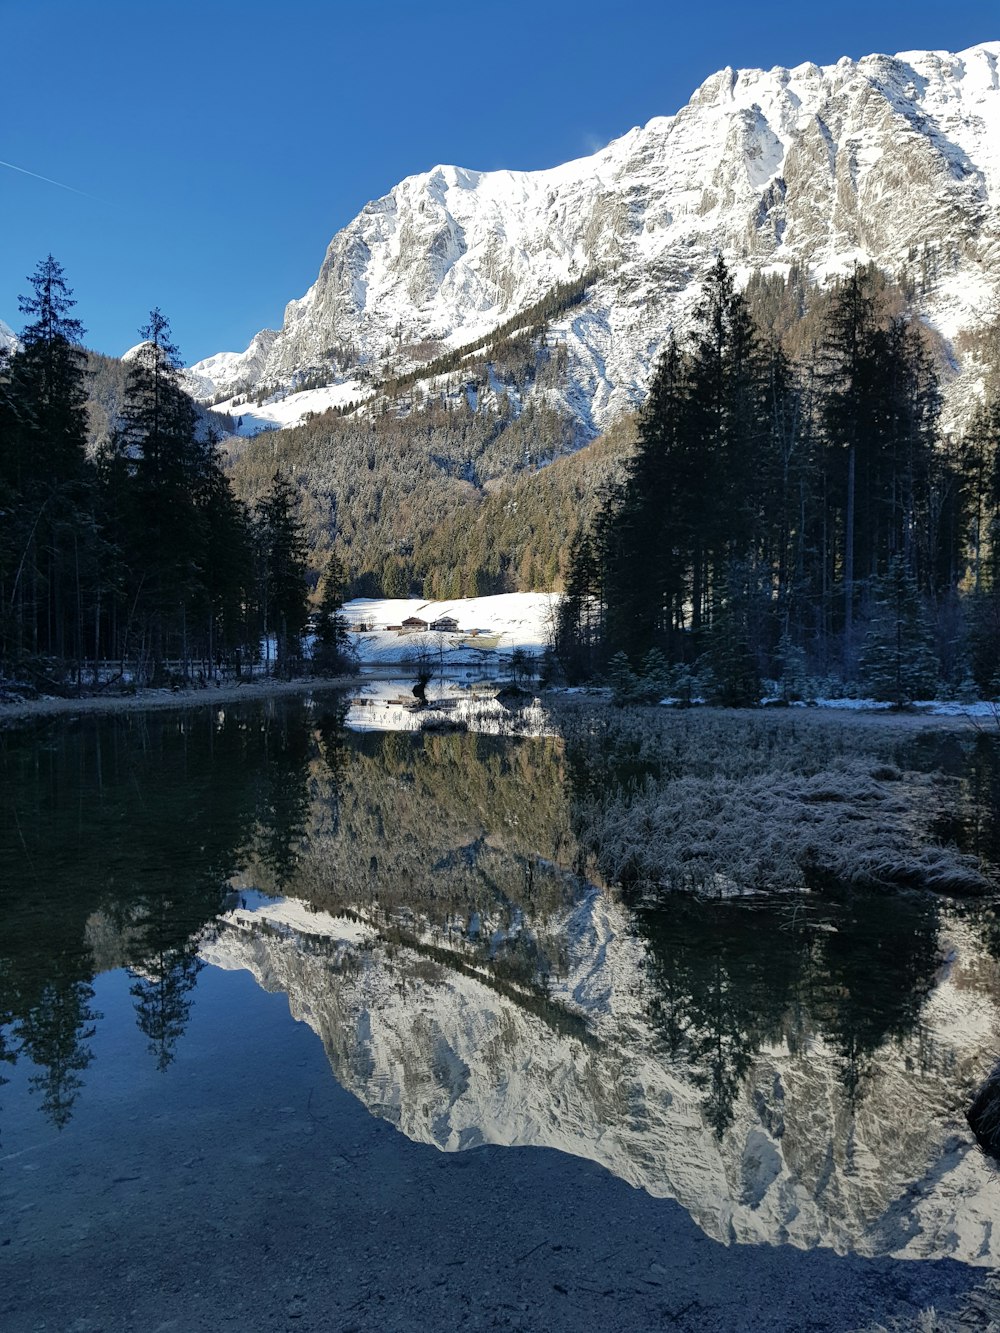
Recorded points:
(287, 409)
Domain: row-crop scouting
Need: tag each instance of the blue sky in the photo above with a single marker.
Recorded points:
(220, 145)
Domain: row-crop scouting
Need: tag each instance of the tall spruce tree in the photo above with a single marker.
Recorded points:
(46, 562)
(185, 537)
(579, 628)
(897, 663)
(849, 373)
(282, 591)
(879, 407)
(330, 652)
(227, 575)
(49, 379)
(10, 518)
(644, 535)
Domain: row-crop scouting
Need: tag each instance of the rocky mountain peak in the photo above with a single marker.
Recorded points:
(890, 159)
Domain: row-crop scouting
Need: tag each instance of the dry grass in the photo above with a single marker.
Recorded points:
(718, 803)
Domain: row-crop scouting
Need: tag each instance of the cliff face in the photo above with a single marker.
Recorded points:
(890, 159)
(430, 1038)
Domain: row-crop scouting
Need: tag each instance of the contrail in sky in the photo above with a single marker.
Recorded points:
(48, 179)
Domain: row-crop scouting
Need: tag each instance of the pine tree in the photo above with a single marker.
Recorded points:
(730, 660)
(331, 649)
(693, 500)
(622, 680)
(187, 551)
(45, 477)
(282, 591)
(49, 381)
(168, 467)
(849, 376)
(889, 492)
(727, 393)
(792, 669)
(979, 461)
(904, 472)
(228, 567)
(578, 625)
(645, 536)
(10, 518)
(897, 663)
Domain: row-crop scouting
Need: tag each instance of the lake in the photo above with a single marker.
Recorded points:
(305, 1021)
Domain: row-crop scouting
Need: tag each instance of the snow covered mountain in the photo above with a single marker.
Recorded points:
(890, 159)
(455, 1059)
(8, 338)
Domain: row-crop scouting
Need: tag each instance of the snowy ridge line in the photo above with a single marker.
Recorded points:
(892, 159)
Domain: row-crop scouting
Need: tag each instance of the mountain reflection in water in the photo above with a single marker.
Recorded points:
(789, 1068)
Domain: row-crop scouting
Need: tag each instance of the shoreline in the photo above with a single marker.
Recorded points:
(19, 712)
(14, 713)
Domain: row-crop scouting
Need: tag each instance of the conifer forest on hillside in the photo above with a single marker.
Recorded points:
(788, 505)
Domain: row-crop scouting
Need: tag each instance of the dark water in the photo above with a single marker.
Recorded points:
(789, 1068)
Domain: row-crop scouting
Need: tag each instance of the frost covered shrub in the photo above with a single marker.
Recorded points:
(654, 677)
(775, 831)
(729, 668)
(713, 803)
(655, 680)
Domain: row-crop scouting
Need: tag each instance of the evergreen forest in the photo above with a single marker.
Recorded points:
(791, 504)
(128, 557)
(794, 510)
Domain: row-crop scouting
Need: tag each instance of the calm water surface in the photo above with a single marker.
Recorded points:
(788, 1069)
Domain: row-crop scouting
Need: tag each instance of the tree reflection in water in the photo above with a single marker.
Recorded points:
(123, 837)
(728, 977)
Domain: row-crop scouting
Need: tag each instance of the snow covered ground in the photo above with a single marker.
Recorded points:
(490, 630)
(987, 710)
(290, 409)
(390, 706)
